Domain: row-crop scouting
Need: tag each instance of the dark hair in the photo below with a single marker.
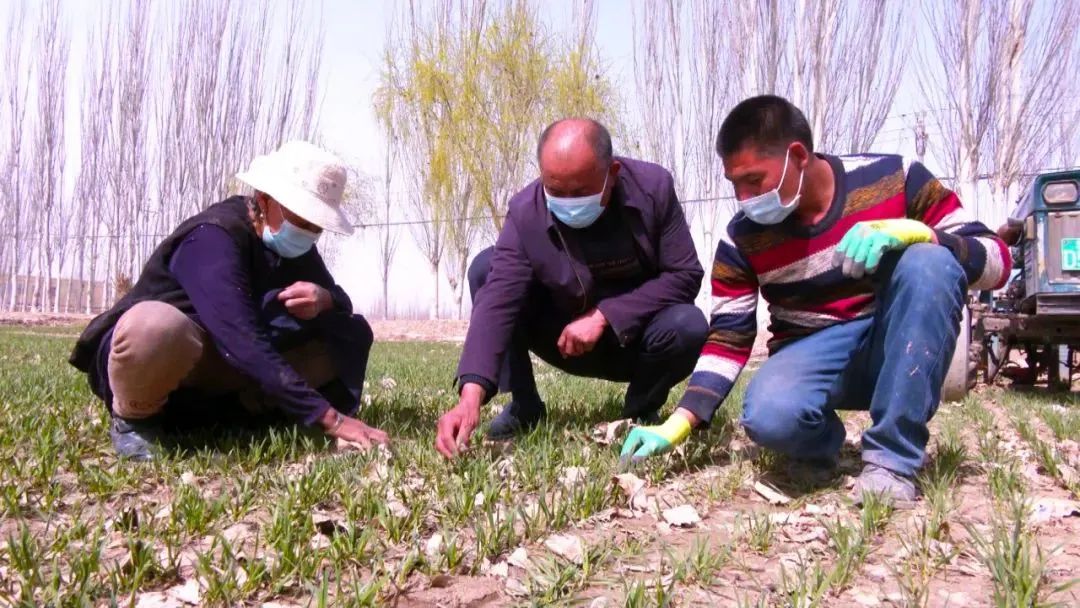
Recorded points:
(597, 134)
(767, 121)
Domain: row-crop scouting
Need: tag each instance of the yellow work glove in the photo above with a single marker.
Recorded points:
(645, 441)
(860, 251)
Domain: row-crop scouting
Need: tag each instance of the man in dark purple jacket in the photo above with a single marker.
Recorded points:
(595, 272)
(235, 308)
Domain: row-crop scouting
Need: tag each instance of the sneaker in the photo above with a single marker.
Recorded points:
(516, 418)
(135, 439)
(889, 485)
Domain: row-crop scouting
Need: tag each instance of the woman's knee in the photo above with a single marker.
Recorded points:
(360, 330)
(154, 347)
(156, 329)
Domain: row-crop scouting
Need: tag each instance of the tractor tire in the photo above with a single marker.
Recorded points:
(958, 377)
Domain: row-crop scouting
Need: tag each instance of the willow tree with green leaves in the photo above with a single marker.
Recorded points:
(466, 87)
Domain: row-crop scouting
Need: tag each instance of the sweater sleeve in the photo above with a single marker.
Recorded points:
(984, 256)
(732, 330)
(208, 265)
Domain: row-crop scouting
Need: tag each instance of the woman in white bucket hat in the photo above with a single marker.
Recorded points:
(307, 181)
(235, 317)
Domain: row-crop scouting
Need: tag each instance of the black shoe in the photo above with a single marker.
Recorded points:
(815, 470)
(650, 419)
(135, 439)
(516, 418)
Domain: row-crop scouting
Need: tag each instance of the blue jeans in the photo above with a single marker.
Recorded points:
(892, 363)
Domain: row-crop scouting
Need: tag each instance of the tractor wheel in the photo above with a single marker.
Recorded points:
(997, 355)
(958, 377)
(1058, 367)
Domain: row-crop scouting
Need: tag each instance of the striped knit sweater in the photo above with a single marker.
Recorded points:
(792, 267)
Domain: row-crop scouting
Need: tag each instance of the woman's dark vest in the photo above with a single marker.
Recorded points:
(156, 281)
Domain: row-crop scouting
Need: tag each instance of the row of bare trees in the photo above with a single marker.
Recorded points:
(993, 77)
(162, 101)
(838, 60)
(171, 99)
(466, 87)
(35, 51)
(999, 76)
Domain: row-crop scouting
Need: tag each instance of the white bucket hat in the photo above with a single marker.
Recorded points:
(306, 180)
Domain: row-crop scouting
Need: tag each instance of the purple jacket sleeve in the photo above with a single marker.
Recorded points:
(678, 281)
(207, 265)
(497, 306)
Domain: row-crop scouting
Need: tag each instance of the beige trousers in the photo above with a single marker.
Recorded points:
(157, 349)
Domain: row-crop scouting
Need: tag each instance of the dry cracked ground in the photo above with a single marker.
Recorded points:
(282, 517)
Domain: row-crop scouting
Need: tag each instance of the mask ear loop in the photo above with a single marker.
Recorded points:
(783, 174)
(798, 193)
(255, 214)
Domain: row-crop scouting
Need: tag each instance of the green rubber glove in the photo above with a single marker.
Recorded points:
(860, 251)
(645, 441)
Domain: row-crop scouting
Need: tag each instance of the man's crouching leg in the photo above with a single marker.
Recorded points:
(921, 299)
(669, 349)
(154, 347)
(526, 409)
(790, 404)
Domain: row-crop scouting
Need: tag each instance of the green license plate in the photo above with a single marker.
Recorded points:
(1070, 254)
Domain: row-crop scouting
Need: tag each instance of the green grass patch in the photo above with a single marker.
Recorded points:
(277, 514)
(246, 511)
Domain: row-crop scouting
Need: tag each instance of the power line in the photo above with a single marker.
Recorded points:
(392, 224)
(477, 218)
(988, 176)
(982, 176)
(1064, 114)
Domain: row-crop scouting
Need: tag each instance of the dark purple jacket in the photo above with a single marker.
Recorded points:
(531, 250)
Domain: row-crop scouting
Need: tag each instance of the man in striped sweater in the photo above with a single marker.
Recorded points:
(864, 262)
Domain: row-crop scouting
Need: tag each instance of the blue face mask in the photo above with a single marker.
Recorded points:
(576, 212)
(290, 241)
(767, 208)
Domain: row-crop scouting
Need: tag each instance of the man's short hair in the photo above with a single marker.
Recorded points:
(766, 121)
(597, 134)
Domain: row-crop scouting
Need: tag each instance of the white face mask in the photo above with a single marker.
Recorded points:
(767, 208)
